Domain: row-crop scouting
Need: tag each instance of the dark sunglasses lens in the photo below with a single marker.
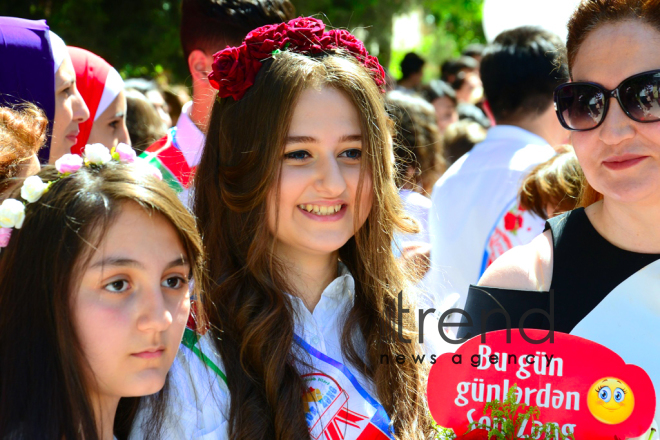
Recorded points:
(581, 105)
(639, 96)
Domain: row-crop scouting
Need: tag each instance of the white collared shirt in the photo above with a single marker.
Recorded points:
(198, 406)
(469, 201)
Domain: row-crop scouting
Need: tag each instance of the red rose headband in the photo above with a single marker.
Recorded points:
(235, 68)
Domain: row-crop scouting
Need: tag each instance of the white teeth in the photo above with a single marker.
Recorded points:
(321, 210)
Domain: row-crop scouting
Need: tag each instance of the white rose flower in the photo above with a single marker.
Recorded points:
(12, 214)
(97, 154)
(33, 188)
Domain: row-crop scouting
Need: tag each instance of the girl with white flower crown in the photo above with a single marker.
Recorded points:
(95, 267)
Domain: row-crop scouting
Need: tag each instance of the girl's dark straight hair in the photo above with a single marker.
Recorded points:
(43, 390)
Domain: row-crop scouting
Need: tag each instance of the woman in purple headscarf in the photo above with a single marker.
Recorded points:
(37, 68)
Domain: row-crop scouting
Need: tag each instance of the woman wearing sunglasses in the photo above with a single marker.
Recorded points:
(599, 265)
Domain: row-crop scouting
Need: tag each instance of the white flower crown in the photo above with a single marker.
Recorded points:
(12, 211)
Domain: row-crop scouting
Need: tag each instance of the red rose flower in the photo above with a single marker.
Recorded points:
(340, 38)
(233, 72)
(377, 71)
(262, 41)
(305, 33)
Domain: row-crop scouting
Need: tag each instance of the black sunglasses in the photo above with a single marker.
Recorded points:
(582, 106)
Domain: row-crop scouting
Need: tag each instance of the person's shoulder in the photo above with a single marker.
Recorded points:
(455, 173)
(526, 267)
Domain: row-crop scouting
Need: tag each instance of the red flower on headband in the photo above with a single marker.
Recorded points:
(340, 38)
(262, 41)
(235, 68)
(305, 34)
(233, 72)
(376, 70)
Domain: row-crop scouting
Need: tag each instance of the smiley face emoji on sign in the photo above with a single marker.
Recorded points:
(611, 400)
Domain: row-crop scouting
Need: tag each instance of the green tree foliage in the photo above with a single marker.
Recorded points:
(141, 37)
(371, 18)
(138, 37)
(450, 25)
(460, 19)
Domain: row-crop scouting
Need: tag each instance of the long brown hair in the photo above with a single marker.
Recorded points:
(42, 391)
(239, 166)
(591, 14)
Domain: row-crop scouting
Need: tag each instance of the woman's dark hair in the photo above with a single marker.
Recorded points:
(43, 390)
(238, 172)
(142, 121)
(212, 25)
(473, 50)
(411, 64)
(417, 142)
(520, 71)
(438, 89)
(591, 14)
(460, 137)
(450, 68)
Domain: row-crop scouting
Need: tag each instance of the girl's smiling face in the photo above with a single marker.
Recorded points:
(316, 211)
(132, 305)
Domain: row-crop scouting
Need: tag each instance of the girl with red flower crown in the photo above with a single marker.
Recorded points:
(297, 204)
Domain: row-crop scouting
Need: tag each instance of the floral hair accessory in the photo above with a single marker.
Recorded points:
(5, 235)
(69, 163)
(235, 68)
(124, 153)
(12, 211)
(97, 154)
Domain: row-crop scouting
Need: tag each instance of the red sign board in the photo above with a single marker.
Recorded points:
(581, 386)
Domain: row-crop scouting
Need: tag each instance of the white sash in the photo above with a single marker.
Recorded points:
(627, 322)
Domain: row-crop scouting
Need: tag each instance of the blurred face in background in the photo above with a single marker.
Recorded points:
(472, 89)
(109, 128)
(156, 98)
(445, 112)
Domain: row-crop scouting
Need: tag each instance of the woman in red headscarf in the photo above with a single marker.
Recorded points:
(102, 89)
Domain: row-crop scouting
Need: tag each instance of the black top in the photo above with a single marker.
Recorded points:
(586, 268)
